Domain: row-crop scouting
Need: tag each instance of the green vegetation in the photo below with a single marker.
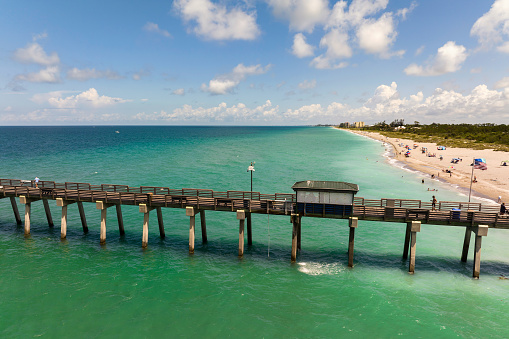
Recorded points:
(476, 136)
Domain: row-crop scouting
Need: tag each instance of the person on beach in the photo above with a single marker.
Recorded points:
(433, 204)
(36, 182)
(475, 178)
(502, 209)
(499, 199)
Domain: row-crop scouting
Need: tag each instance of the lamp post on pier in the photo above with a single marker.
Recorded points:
(251, 169)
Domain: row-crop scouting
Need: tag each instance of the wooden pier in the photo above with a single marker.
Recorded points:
(475, 217)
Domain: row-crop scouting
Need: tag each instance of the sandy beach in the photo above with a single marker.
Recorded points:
(491, 183)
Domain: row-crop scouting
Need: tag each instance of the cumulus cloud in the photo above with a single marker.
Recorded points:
(303, 15)
(221, 113)
(377, 36)
(357, 25)
(301, 48)
(386, 103)
(503, 83)
(307, 84)
(336, 43)
(50, 74)
(226, 83)
(449, 59)
(91, 73)
(154, 28)
(33, 53)
(216, 22)
(87, 99)
(492, 29)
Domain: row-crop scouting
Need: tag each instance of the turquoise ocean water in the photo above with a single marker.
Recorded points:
(77, 288)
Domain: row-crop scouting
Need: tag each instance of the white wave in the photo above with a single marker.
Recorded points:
(316, 268)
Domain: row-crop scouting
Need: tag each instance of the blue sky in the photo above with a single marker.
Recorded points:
(272, 62)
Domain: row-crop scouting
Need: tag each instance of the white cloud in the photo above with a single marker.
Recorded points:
(449, 59)
(8, 109)
(504, 48)
(33, 53)
(50, 74)
(377, 36)
(225, 83)
(386, 103)
(441, 106)
(216, 22)
(405, 11)
(303, 15)
(307, 84)
(300, 48)
(419, 50)
(87, 99)
(90, 73)
(337, 46)
(503, 83)
(179, 91)
(493, 27)
(220, 113)
(356, 25)
(154, 28)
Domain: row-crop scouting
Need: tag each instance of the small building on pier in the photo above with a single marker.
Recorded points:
(325, 197)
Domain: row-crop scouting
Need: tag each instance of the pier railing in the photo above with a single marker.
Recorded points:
(392, 210)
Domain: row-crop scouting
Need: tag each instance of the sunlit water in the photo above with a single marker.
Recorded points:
(53, 288)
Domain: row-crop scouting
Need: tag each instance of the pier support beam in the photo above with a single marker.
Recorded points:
(82, 216)
(466, 243)
(63, 221)
(48, 212)
(190, 212)
(101, 205)
(352, 223)
(249, 230)
(15, 210)
(299, 234)
(120, 219)
(28, 204)
(146, 214)
(203, 227)
(241, 216)
(415, 226)
(296, 220)
(480, 231)
(160, 222)
(407, 241)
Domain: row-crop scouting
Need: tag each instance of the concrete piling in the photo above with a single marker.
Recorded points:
(241, 216)
(480, 231)
(415, 226)
(190, 212)
(352, 223)
(15, 210)
(101, 205)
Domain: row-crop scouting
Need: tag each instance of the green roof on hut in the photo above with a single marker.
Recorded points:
(325, 186)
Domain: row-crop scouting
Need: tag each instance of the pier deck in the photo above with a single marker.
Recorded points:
(388, 210)
(475, 217)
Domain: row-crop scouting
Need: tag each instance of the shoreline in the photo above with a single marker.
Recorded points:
(491, 183)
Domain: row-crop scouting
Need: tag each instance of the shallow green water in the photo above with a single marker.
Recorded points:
(78, 288)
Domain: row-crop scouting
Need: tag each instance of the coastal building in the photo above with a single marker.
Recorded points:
(358, 124)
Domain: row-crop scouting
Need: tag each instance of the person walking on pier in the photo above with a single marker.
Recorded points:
(502, 209)
(36, 182)
(433, 204)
